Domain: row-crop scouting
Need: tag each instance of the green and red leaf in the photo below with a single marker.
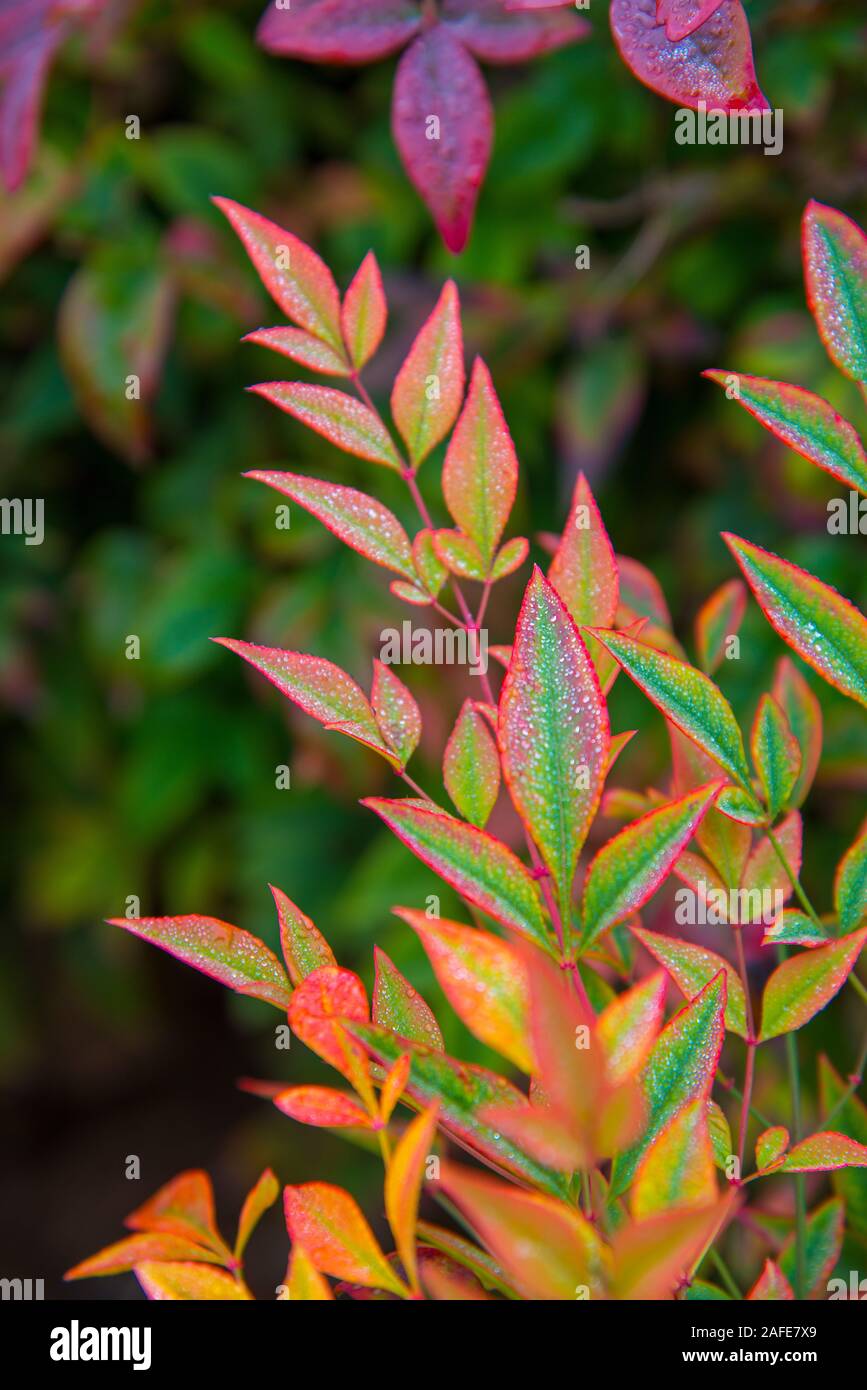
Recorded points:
(364, 312)
(346, 422)
(303, 945)
(835, 270)
(771, 1285)
(821, 1250)
(397, 715)
(226, 953)
(692, 968)
(850, 885)
(718, 620)
(399, 1007)
(584, 567)
(804, 716)
(678, 1168)
(471, 766)
(480, 472)
(334, 1233)
(430, 385)
(776, 754)
(805, 983)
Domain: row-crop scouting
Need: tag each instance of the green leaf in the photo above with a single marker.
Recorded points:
(357, 519)
(849, 1117)
(631, 866)
(835, 269)
(718, 620)
(850, 885)
(677, 1169)
(686, 697)
(397, 715)
(462, 1091)
(471, 766)
(303, 945)
(553, 733)
(226, 953)
(805, 983)
(480, 472)
(821, 1249)
(804, 421)
(804, 715)
(349, 424)
(584, 569)
(692, 968)
(680, 1069)
(483, 870)
(399, 1007)
(776, 754)
(300, 347)
(771, 1145)
(430, 384)
(823, 1153)
(794, 928)
(828, 631)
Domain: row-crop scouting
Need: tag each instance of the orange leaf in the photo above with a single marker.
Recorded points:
(260, 1197)
(403, 1186)
(195, 1282)
(183, 1207)
(319, 1105)
(336, 1236)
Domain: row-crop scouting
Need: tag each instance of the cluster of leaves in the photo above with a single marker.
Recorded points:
(607, 1163)
(686, 50)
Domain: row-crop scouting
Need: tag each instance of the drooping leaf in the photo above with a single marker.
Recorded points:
(183, 1207)
(320, 1004)
(628, 1026)
(480, 472)
(483, 979)
(828, 631)
(680, 1069)
(835, 271)
(403, 1181)
(776, 754)
(686, 697)
(298, 281)
(396, 712)
(464, 1092)
(804, 716)
(584, 567)
(850, 885)
(553, 733)
(226, 953)
(429, 387)
(304, 1283)
(364, 312)
(805, 983)
(692, 968)
(319, 688)
(149, 1247)
(771, 1145)
(495, 36)
(261, 1196)
(334, 1233)
(337, 31)
(483, 870)
(197, 1282)
(771, 1285)
(631, 866)
(548, 1250)
(303, 945)
(804, 421)
(822, 1249)
(471, 766)
(323, 1107)
(301, 347)
(850, 1117)
(399, 1007)
(678, 1169)
(357, 519)
(347, 423)
(718, 620)
(439, 80)
(823, 1153)
(713, 64)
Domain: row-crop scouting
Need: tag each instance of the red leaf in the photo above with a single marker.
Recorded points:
(430, 384)
(321, 1106)
(337, 31)
(713, 65)
(326, 996)
(683, 17)
(364, 312)
(495, 35)
(298, 280)
(443, 128)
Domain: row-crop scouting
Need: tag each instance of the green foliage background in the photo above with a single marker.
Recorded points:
(156, 777)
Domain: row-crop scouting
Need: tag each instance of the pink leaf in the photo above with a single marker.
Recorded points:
(298, 281)
(495, 35)
(713, 65)
(337, 31)
(224, 952)
(300, 347)
(683, 17)
(443, 128)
